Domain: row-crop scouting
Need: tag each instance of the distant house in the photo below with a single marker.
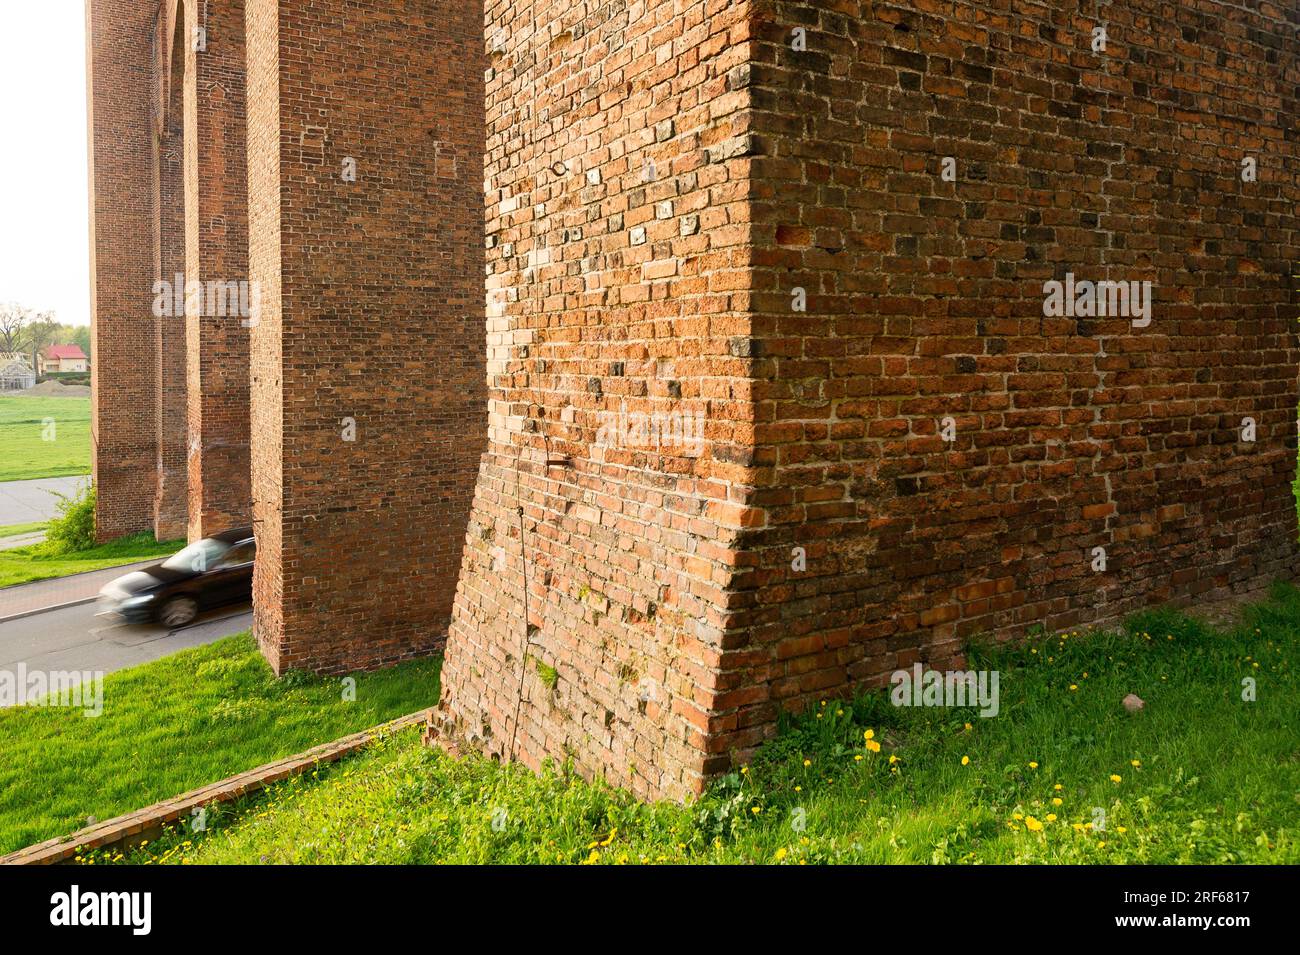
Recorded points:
(15, 375)
(63, 358)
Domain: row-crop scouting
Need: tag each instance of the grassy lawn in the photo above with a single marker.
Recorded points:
(1199, 776)
(176, 724)
(17, 530)
(32, 448)
(25, 564)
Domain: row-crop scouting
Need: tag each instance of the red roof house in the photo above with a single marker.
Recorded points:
(63, 358)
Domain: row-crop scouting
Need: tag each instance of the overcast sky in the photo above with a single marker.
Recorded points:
(44, 242)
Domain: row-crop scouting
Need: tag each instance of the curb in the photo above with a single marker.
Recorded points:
(135, 827)
(148, 561)
(16, 588)
(32, 613)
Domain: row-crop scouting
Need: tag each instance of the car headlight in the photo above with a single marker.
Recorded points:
(137, 601)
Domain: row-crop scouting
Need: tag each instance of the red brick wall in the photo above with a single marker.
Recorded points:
(609, 291)
(216, 250)
(120, 107)
(925, 301)
(373, 313)
(171, 500)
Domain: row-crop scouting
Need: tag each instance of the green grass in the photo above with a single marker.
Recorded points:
(176, 724)
(30, 447)
(17, 530)
(1216, 779)
(34, 562)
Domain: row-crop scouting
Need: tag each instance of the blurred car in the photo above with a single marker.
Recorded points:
(208, 573)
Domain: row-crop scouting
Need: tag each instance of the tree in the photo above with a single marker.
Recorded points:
(13, 326)
(42, 330)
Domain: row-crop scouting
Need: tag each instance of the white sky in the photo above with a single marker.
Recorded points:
(44, 237)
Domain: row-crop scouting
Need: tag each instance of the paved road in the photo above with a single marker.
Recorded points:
(24, 598)
(73, 639)
(22, 502)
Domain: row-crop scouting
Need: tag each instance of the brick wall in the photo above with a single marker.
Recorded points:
(617, 227)
(367, 372)
(120, 109)
(827, 532)
(171, 498)
(925, 302)
(216, 251)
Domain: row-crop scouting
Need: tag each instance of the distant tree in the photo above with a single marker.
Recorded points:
(80, 336)
(13, 326)
(42, 330)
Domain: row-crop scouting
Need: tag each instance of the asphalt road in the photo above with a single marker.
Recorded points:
(74, 639)
(24, 502)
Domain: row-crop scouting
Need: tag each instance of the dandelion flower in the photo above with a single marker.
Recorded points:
(1033, 765)
(873, 746)
(780, 854)
(1116, 778)
(1135, 763)
(1032, 824)
(869, 734)
(965, 760)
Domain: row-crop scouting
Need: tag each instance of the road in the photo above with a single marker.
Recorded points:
(23, 502)
(73, 639)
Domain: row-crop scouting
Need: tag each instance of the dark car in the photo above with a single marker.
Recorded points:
(208, 573)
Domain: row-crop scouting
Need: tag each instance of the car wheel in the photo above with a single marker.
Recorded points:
(178, 611)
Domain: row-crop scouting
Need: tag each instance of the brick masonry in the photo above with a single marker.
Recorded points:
(828, 533)
(367, 367)
(773, 403)
(171, 495)
(620, 264)
(216, 256)
(120, 101)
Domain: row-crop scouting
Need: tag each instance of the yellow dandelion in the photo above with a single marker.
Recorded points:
(780, 854)
(965, 760)
(1033, 765)
(869, 734)
(1032, 824)
(1116, 778)
(1135, 763)
(873, 746)
(1056, 800)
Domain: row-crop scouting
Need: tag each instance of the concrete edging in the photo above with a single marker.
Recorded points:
(133, 828)
(62, 606)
